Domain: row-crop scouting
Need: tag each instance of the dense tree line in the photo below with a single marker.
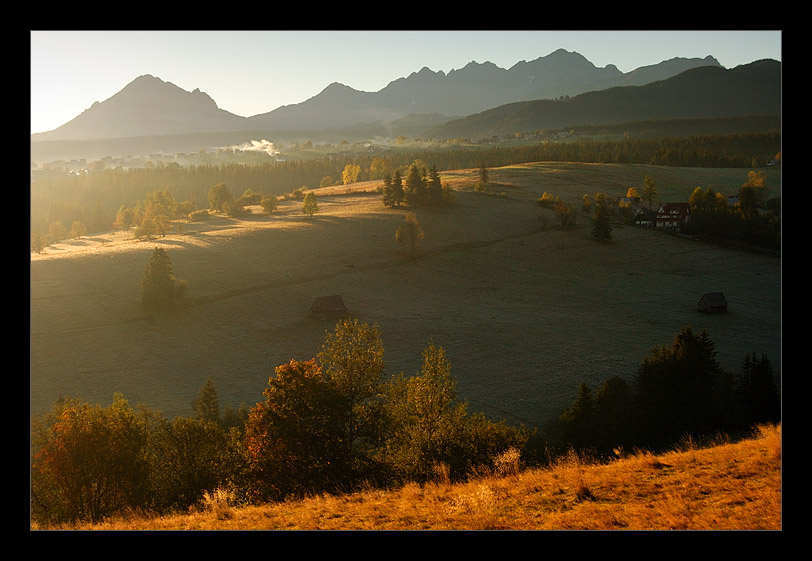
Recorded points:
(328, 424)
(679, 389)
(86, 197)
(753, 220)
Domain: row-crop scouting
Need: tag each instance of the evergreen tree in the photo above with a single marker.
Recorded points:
(483, 174)
(398, 196)
(601, 229)
(159, 288)
(682, 389)
(579, 419)
(206, 405)
(434, 187)
(415, 190)
(388, 191)
(758, 391)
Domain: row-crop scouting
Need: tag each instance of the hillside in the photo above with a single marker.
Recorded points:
(507, 293)
(728, 486)
(699, 93)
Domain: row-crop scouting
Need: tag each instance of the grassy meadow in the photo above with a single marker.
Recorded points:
(727, 486)
(526, 311)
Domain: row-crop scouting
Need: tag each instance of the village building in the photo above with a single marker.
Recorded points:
(673, 216)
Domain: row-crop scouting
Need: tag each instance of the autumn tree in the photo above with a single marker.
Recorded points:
(378, 168)
(350, 173)
(78, 229)
(565, 212)
(292, 439)
(38, 242)
(87, 462)
(410, 233)
(752, 193)
(56, 232)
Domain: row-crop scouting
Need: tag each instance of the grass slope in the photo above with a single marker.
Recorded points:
(525, 311)
(728, 486)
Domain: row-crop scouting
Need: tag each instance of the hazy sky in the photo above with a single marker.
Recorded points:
(253, 72)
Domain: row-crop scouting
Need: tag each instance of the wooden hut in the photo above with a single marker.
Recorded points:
(329, 307)
(713, 302)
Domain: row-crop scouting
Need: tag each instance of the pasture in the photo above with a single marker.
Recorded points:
(526, 311)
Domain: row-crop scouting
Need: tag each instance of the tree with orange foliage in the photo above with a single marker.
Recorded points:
(291, 440)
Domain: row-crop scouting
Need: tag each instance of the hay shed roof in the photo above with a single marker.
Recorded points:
(713, 301)
(329, 306)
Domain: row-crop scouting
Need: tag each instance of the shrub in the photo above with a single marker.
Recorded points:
(199, 215)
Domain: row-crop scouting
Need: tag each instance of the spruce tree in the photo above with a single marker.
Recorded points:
(159, 287)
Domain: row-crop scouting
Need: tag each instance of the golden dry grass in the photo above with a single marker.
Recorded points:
(729, 486)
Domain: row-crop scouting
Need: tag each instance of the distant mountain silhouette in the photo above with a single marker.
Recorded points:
(697, 93)
(148, 106)
(471, 89)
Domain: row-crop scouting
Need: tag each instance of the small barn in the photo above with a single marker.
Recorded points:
(713, 302)
(329, 307)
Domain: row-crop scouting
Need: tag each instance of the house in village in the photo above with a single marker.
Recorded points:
(673, 216)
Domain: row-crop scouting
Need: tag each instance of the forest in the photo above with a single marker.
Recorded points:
(93, 198)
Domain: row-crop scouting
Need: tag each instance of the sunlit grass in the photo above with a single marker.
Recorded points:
(726, 486)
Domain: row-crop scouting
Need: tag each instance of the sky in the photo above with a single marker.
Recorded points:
(252, 72)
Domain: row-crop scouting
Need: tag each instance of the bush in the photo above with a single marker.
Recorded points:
(199, 215)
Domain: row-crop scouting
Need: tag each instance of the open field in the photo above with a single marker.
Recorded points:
(525, 310)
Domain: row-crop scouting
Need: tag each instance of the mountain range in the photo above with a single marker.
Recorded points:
(560, 90)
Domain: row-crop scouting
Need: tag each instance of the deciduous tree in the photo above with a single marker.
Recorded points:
(352, 360)
(87, 462)
(310, 206)
(410, 233)
(292, 440)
